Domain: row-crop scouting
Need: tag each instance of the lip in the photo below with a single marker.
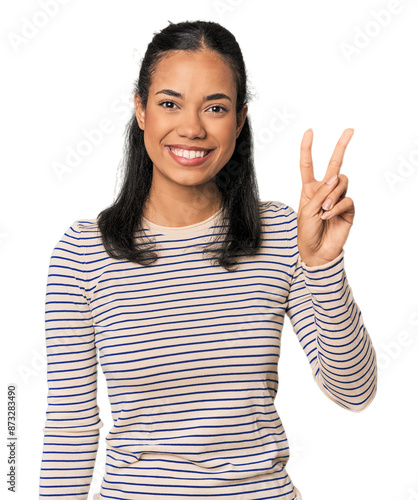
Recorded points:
(189, 161)
(185, 146)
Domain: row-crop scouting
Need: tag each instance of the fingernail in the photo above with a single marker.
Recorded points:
(326, 215)
(327, 204)
(330, 181)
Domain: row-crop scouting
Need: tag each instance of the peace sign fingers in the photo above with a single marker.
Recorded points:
(306, 164)
(320, 240)
(336, 161)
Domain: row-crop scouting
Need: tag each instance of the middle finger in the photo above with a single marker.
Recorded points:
(336, 160)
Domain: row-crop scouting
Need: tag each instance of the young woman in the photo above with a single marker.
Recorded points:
(180, 289)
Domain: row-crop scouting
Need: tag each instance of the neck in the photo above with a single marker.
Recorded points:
(167, 210)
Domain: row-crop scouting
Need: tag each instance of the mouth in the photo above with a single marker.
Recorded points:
(192, 157)
(189, 153)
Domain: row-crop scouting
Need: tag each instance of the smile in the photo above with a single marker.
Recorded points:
(189, 154)
(190, 157)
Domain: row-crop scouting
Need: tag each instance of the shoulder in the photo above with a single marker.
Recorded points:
(277, 218)
(279, 227)
(86, 226)
(277, 212)
(79, 232)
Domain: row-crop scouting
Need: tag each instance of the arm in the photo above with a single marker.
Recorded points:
(329, 326)
(71, 432)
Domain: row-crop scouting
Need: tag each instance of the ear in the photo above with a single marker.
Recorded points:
(241, 119)
(139, 111)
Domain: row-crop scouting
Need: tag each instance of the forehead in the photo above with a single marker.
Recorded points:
(202, 72)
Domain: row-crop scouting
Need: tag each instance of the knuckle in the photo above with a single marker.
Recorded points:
(334, 163)
(305, 164)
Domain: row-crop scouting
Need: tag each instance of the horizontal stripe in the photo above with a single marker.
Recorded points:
(190, 353)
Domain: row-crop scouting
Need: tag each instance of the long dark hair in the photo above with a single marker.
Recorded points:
(236, 181)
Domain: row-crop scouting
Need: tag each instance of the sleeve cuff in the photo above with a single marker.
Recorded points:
(327, 265)
(325, 279)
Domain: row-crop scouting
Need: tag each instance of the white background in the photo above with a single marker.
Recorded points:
(325, 64)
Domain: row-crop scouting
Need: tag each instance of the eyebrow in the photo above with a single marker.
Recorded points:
(212, 97)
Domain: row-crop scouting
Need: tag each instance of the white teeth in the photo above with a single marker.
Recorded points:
(186, 153)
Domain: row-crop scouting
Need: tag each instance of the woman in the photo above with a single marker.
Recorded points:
(189, 346)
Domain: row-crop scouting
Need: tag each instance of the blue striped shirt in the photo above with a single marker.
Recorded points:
(189, 352)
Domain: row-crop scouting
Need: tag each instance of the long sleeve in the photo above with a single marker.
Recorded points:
(330, 328)
(71, 432)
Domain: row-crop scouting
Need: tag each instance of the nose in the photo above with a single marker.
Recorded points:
(191, 126)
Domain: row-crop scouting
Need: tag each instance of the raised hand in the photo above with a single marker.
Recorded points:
(323, 225)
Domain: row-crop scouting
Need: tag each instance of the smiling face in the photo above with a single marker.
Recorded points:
(190, 124)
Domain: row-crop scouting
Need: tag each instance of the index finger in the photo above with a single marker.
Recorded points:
(306, 165)
(336, 160)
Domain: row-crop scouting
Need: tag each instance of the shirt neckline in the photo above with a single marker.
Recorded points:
(192, 228)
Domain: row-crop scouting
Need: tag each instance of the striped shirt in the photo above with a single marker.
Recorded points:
(189, 352)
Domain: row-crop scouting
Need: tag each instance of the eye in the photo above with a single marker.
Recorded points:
(224, 110)
(167, 102)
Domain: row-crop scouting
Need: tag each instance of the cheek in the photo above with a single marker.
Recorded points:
(151, 126)
(228, 137)
(153, 134)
